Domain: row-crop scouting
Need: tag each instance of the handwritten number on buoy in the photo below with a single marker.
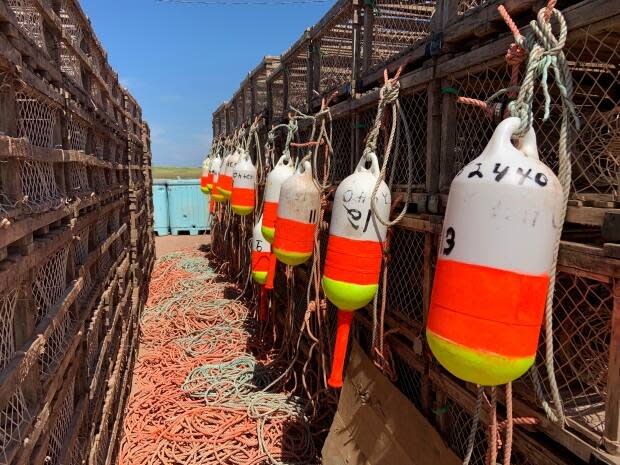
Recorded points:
(259, 247)
(500, 173)
(353, 216)
(450, 236)
(476, 172)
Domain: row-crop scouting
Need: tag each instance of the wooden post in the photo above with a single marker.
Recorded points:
(368, 31)
(433, 144)
(357, 47)
(448, 136)
(611, 438)
(8, 112)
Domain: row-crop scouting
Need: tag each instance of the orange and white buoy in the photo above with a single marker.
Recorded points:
(354, 251)
(283, 170)
(244, 186)
(206, 177)
(225, 182)
(261, 264)
(215, 168)
(299, 206)
(492, 273)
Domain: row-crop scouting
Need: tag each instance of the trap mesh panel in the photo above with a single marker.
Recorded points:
(104, 265)
(297, 69)
(5, 199)
(406, 276)
(398, 26)
(87, 287)
(81, 246)
(12, 417)
(36, 118)
(112, 178)
(99, 145)
(93, 340)
(414, 109)
(39, 185)
(239, 109)
(247, 103)
(61, 426)
(71, 22)
(8, 303)
(466, 6)
(277, 96)
(56, 346)
(101, 230)
(99, 181)
(335, 43)
(341, 143)
(230, 119)
(458, 427)
(110, 153)
(473, 129)
(29, 20)
(78, 133)
(259, 83)
(581, 332)
(78, 178)
(49, 283)
(114, 221)
(70, 64)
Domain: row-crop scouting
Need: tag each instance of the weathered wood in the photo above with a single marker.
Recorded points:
(612, 405)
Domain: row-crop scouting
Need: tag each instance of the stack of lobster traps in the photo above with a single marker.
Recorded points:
(448, 49)
(75, 243)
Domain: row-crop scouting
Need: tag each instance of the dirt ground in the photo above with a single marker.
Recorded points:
(168, 244)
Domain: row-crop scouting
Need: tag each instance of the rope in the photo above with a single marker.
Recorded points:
(389, 97)
(471, 440)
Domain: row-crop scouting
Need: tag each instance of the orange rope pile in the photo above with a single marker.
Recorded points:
(188, 324)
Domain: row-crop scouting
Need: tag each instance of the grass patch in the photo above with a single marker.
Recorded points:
(173, 172)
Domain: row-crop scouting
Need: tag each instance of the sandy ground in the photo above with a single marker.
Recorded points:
(167, 244)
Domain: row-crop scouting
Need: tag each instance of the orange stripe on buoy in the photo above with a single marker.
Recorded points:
(225, 182)
(488, 309)
(204, 180)
(242, 197)
(261, 261)
(294, 236)
(352, 261)
(271, 274)
(270, 212)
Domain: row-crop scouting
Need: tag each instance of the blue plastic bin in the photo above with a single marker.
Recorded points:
(160, 204)
(188, 207)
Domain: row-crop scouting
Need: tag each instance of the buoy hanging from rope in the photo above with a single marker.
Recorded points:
(243, 194)
(492, 273)
(216, 166)
(283, 170)
(225, 183)
(261, 262)
(354, 251)
(206, 177)
(297, 217)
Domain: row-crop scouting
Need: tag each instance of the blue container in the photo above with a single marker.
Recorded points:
(160, 204)
(188, 207)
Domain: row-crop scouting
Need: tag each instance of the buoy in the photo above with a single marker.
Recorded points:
(492, 272)
(298, 214)
(244, 186)
(354, 251)
(206, 177)
(215, 168)
(261, 260)
(225, 182)
(283, 170)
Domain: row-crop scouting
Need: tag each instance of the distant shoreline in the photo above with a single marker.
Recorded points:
(172, 172)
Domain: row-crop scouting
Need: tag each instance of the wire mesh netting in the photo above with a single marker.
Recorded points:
(408, 380)
(61, 426)
(8, 303)
(405, 288)
(582, 334)
(71, 22)
(78, 179)
(49, 283)
(276, 84)
(29, 20)
(87, 287)
(99, 140)
(12, 418)
(70, 64)
(56, 345)
(114, 222)
(81, 245)
(457, 424)
(398, 26)
(296, 66)
(259, 88)
(101, 230)
(335, 43)
(239, 109)
(77, 130)
(39, 188)
(411, 140)
(100, 182)
(342, 144)
(36, 118)
(104, 265)
(467, 6)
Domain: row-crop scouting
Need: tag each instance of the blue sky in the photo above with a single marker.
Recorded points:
(182, 61)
